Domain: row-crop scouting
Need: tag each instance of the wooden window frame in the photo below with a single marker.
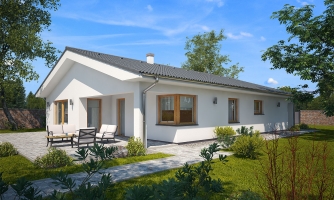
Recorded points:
(100, 112)
(62, 111)
(236, 110)
(177, 109)
(261, 107)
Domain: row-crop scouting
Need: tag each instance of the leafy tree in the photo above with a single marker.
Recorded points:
(309, 51)
(203, 53)
(15, 94)
(21, 25)
(35, 102)
(299, 98)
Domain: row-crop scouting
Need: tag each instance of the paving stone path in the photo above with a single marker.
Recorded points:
(32, 145)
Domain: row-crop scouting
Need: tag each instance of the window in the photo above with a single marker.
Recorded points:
(233, 110)
(177, 109)
(258, 107)
(61, 112)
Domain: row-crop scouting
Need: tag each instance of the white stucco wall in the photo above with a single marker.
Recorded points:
(210, 115)
(82, 82)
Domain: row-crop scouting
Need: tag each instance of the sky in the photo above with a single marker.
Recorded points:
(132, 28)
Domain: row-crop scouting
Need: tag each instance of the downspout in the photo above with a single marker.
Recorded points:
(144, 116)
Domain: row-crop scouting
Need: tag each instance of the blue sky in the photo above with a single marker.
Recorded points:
(133, 28)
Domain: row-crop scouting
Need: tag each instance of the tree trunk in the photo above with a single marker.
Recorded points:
(5, 109)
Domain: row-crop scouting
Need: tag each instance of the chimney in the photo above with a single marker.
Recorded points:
(150, 58)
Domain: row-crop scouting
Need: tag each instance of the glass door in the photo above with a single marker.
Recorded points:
(94, 113)
(121, 116)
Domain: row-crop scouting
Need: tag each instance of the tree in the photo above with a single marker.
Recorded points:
(35, 102)
(21, 24)
(15, 94)
(309, 51)
(300, 99)
(203, 53)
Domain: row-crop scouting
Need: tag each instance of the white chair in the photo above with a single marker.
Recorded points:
(107, 132)
(86, 136)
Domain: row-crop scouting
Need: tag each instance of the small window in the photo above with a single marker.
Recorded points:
(233, 110)
(177, 109)
(258, 107)
(61, 112)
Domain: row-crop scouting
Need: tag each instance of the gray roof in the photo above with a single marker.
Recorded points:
(145, 68)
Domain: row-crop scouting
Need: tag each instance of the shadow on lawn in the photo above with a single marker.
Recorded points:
(319, 135)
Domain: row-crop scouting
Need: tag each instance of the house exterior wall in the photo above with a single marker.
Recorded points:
(210, 115)
(82, 82)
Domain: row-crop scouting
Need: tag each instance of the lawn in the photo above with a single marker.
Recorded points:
(22, 130)
(238, 174)
(18, 166)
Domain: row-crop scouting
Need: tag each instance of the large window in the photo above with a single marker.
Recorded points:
(61, 112)
(233, 111)
(258, 107)
(177, 109)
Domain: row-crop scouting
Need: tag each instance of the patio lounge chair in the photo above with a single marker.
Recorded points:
(86, 136)
(107, 132)
(59, 130)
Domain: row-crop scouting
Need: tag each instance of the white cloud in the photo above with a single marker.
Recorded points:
(149, 8)
(220, 3)
(303, 3)
(272, 81)
(262, 38)
(240, 36)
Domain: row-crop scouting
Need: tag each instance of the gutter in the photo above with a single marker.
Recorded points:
(144, 115)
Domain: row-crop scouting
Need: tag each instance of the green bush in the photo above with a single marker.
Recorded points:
(294, 128)
(223, 130)
(135, 147)
(303, 126)
(53, 159)
(7, 149)
(248, 146)
(245, 131)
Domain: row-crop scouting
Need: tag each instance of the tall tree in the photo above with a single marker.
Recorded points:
(203, 53)
(35, 102)
(309, 51)
(300, 98)
(21, 24)
(15, 94)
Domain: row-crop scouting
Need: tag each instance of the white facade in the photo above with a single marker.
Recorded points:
(79, 78)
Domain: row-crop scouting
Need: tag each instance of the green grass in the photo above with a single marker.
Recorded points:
(22, 130)
(238, 173)
(18, 166)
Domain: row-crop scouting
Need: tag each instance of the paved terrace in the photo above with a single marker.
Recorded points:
(33, 144)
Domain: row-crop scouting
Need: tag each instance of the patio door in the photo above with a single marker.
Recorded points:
(121, 116)
(94, 113)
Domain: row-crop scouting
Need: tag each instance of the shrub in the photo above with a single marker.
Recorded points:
(248, 146)
(53, 159)
(303, 126)
(135, 147)
(245, 131)
(226, 141)
(223, 130)
(7, 149)
(294, 128)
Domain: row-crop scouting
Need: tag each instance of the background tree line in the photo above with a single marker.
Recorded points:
(16, 97)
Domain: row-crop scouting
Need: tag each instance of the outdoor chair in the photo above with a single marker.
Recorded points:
(86, 136)
(107, 132)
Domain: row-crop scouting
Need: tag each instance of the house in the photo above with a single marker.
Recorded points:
(155, 101)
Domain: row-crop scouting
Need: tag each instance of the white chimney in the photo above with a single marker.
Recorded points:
(150, 58)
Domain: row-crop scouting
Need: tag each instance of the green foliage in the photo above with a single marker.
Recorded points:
(304, 126)
(7, 149)
(94, 159)
(53, 159)
(294, 128)
(245, 131)
(203, 53)
(135, 147)
(190, 182)
(225, 135)
(22, 23)
(247, 195)
(308, 52)
(223, 130)
(35, 102)
(25, 190)
(248, 145)
(3, 186)
(15, 94)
